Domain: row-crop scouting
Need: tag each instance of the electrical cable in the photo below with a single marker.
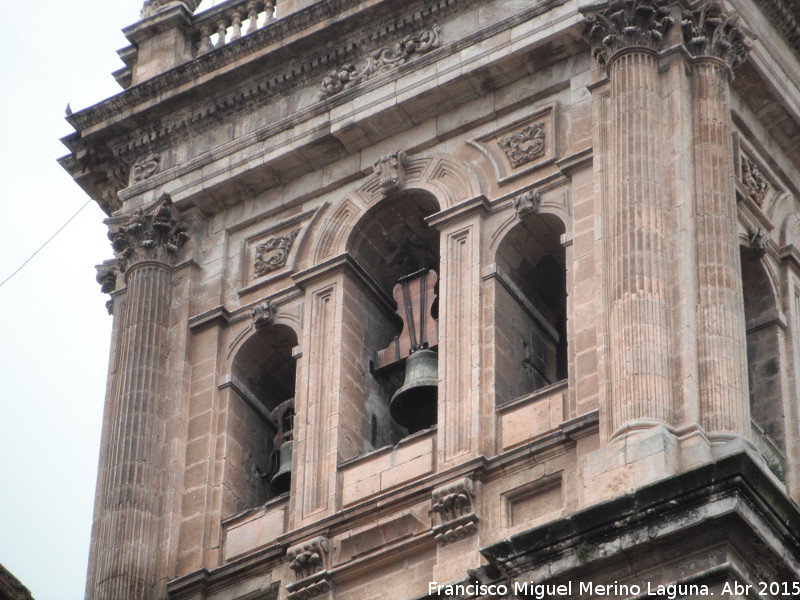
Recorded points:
(50, 239)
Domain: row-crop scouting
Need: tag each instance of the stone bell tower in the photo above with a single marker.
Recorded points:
(449, 299)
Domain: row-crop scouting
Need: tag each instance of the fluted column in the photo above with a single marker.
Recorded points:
(718, 46)
(124, 555)
(638, 287)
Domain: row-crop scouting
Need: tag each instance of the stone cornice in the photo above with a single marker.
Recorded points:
(785, 17)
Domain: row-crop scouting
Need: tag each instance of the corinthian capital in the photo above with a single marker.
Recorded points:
(150, 233)
(709, 31)
(621, 24)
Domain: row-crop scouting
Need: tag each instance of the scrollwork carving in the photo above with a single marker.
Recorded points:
(274, 253)
(625, 24)
(154, 234)
(709, 31)
(380, 61)
(144, 168)
(524, 146)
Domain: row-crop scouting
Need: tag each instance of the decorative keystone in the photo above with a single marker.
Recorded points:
(390, 170)
(529, 202)
(758, 239)
(453, 507)
(154, 233)
(262, 314)
(627, 24)
(754, 181)
(709, 31)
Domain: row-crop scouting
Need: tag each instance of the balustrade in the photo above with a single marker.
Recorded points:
(225, 23)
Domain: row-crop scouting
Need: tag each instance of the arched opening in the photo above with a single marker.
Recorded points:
(394, 246)
(763, 347)
(530, 308)
(263, 376)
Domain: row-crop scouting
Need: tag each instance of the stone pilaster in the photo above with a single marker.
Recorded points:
(629, 35)
(125, 561)
(717, 44)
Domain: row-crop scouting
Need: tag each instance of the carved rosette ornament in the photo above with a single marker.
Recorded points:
(454, 509)
(524, 146)
(626, 24)
(154, 234)
(754, 181)
(262, 314)
(274, 253)
(526, 203)
(390, 170)
(709, 31)
(381, 61)
(309, 560)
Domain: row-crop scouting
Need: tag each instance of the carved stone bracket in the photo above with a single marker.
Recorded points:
(309, 562)
(709, 31)
(107, 278)
(524, 146)
(390, 170)
(144, 168)
(754, 181)
(625, 24)
(262, 314)
(154, 233)
(380, 61)
(272, 254)
(529, 202)
(454, 509)
(758, 240)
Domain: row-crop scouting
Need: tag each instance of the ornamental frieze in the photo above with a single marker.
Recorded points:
(273, 254)
(627, 24)
(380, 61)
(144, 168)
(152, 233)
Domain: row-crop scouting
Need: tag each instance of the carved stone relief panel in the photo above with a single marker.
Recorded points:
(309, 562)
(453, 507)
(144, 168)
(522, 145)
(272, 251)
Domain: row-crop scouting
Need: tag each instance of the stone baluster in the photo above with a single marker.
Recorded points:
(222, 31)
(236, 23)
(269, 7)
(629, 35)
(717, 44)
(205, 39)
(124, 561)
(252, 16)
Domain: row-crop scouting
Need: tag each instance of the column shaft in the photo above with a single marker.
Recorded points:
(722, 355)
(641, 387)
(125, 555)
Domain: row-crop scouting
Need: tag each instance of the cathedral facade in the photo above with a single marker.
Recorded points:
(450, 299)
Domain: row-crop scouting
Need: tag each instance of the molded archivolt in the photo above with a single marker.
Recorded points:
(447, 178)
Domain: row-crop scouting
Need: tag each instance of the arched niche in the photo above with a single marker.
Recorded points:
(763, 325)
(263, 376)
(390, 241)
(530, 311)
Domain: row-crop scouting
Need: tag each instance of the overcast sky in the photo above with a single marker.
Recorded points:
(55, 332)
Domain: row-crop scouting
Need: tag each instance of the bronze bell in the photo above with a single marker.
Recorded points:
(414, 405)
(283, 419)
(282, 479)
